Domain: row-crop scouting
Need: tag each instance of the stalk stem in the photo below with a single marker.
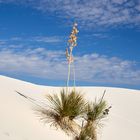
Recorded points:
(74, 82)
(69, 68)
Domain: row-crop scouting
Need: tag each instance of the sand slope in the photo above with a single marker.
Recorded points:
(19, 122)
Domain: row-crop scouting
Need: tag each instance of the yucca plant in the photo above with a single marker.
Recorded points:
(63, 110)
(66, 108)
(94, 115)
(84, 134)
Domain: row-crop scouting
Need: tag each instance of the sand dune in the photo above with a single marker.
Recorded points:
(19, 122)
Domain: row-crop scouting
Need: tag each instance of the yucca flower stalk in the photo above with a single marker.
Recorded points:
(72, 42)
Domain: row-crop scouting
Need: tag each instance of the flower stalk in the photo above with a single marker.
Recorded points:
(72, 42)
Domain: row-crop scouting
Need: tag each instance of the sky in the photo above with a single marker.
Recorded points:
(34, 35)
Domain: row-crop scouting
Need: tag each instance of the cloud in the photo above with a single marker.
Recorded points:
(37, 62)
(92, 68)
(102, 69)
(21, 41)
(45, 39)
(2, 42)
(48, 39)
(91, 13)
(119, 1)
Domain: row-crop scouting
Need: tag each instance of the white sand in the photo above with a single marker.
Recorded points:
(19, 122)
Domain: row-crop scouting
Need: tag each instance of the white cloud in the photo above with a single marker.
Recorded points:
(45, 39)
(119, 1)
(2, 42)
(29, 40)
(48, 39)
(49, 64)
(37, 62)
(111, 70)
(91, 12)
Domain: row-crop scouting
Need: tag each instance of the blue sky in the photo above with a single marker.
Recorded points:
(34, 34)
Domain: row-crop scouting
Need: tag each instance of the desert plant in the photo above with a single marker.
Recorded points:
(69, 106)
(63, 110)
(66, 108)
(84, 134)
(95, 113)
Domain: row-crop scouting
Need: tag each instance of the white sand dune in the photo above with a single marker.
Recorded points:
(19, 122)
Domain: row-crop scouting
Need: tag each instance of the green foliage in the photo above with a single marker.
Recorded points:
(87, 133)
(68, 104)
(93, 116)
(96, 110)
(65, 108)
